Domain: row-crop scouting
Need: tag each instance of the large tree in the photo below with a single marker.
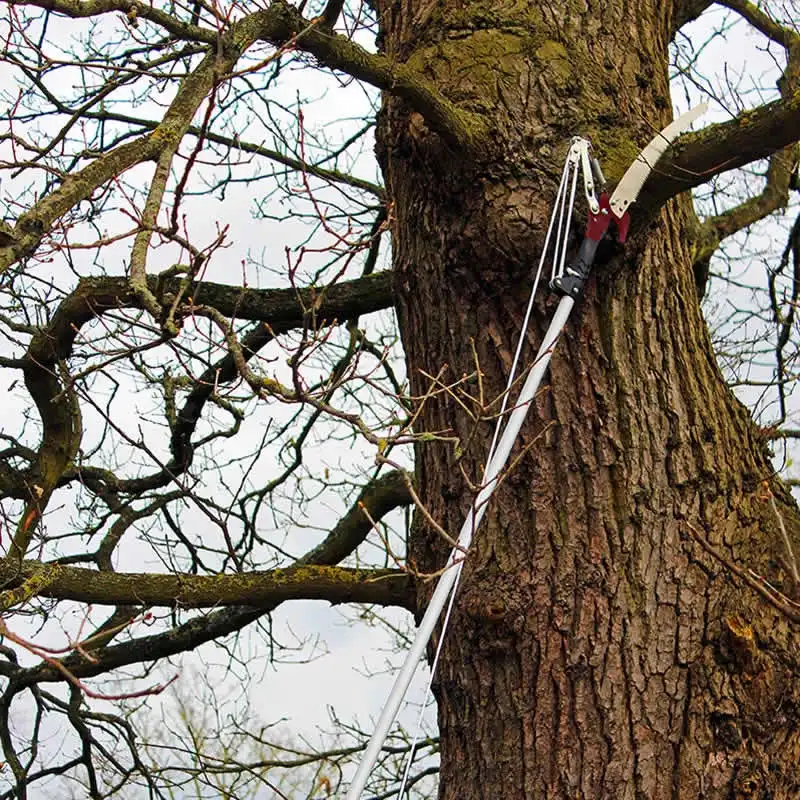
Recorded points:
(626, 623)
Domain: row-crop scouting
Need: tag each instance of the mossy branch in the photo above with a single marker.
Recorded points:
(385, 587)
(697, 157)
(379, 498)
(761, 21)
(33, 585)
(281, 23)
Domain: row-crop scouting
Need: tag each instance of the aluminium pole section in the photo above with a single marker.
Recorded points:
(473, 520)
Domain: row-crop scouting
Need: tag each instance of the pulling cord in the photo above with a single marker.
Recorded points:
(558, 263)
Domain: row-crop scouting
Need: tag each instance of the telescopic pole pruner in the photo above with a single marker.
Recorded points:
(569, 282)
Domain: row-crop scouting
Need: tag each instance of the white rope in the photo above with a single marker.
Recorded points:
(560, 202)
(428, 688)
(444, 593)
(528, 311)
(562, 232)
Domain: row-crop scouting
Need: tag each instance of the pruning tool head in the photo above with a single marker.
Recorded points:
(569, 280)
(638, 172)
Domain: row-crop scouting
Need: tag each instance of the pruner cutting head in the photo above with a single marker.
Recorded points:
(638, 172)
(569, 280)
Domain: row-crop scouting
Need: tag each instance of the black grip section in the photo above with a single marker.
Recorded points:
(575, 275)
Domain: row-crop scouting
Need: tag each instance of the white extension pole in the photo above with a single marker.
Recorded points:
(471, 523)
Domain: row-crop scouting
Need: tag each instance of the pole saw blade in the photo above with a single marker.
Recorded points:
(637, 173)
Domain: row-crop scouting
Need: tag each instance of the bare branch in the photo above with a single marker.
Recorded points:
(282, 23)
(331, 12)
(382, 495)
(282, 309)
(229, 620)
(775, 598)
(34, 224)
(685, 11)
(775, 194)
(233, 142)
(761, 21)
(89, 8)
(714, 230)
(270, 587)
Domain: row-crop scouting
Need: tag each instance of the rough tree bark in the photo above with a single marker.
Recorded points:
(596, 649)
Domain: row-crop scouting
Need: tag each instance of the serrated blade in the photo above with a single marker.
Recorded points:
(637, 173)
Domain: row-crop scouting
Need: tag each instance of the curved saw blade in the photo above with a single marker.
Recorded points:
(637, 173)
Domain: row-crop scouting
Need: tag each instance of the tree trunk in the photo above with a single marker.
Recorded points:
(596, 649)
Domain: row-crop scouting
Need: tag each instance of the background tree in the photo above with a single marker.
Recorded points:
(628, 612)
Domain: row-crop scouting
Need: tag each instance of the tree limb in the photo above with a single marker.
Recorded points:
(36, 222)
(232, 142)
(204, 629)
(270, 587)
(697, 157)
(712, 231)
(331, 12)
(282, 23)
(761, 21)
(78, 9)
(382, 495)
(686, 11)
(775, 194)
(282, 310)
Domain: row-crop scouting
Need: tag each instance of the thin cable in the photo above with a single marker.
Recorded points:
(561, 197)
(526, 321)
(560, 205)
(563, 256)
(429, 687)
